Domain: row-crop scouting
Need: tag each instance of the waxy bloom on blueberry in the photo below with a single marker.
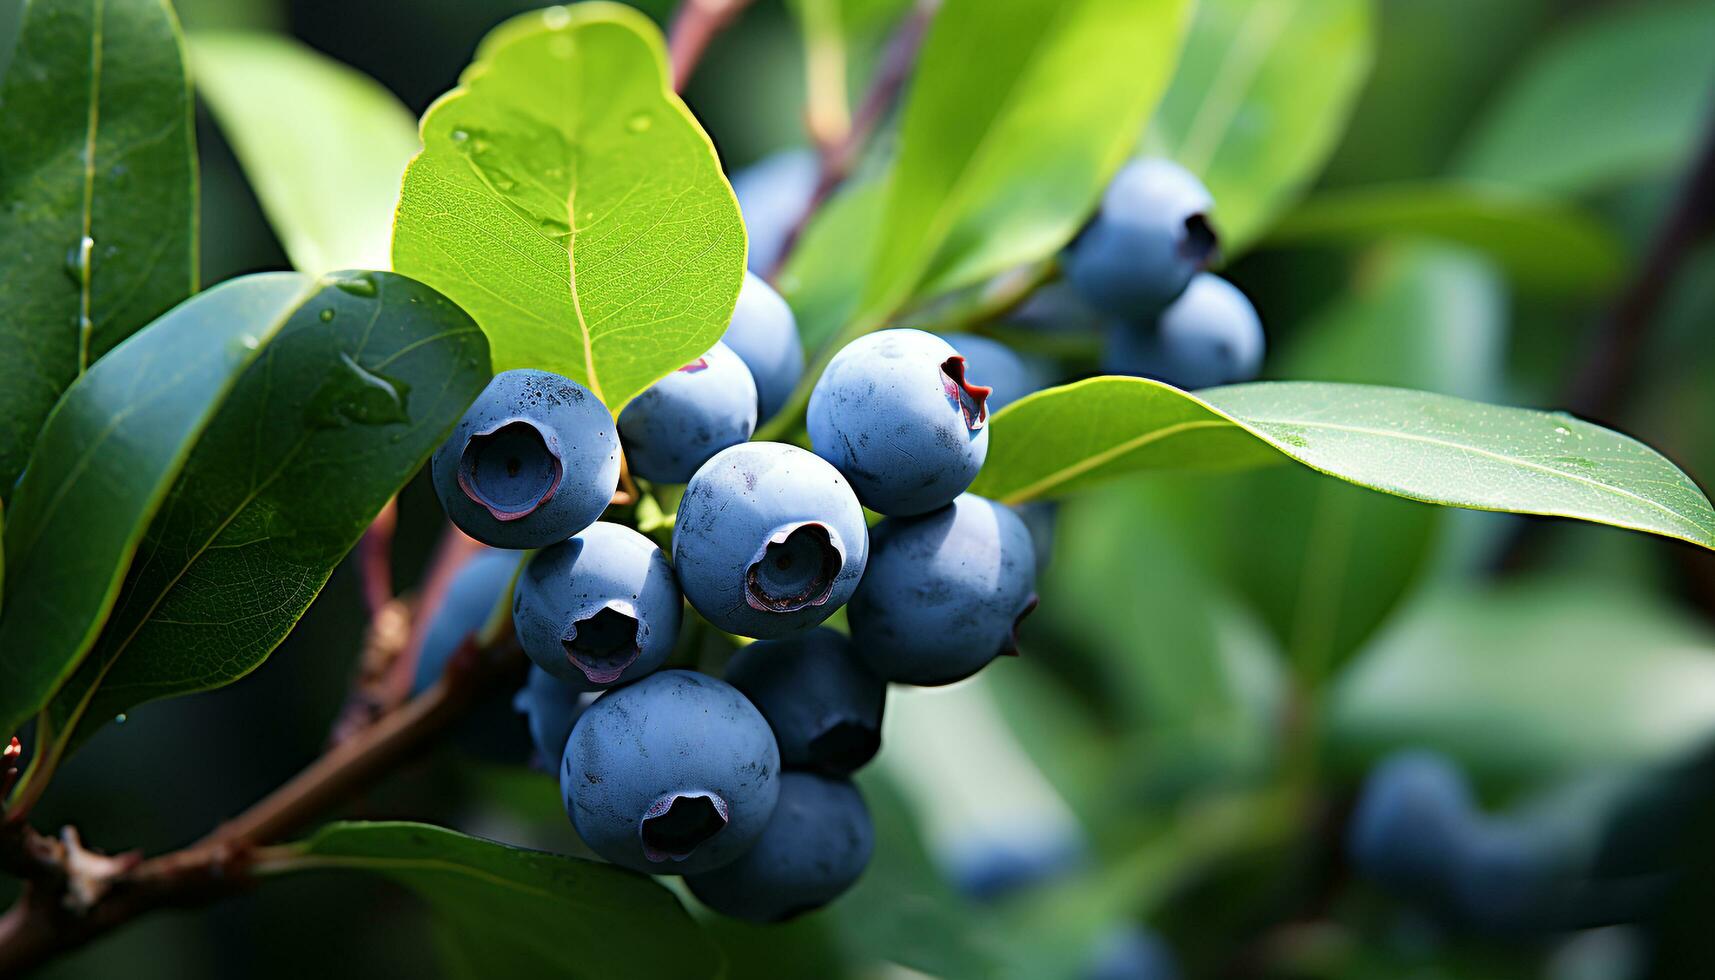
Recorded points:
(1149, 237)
(675, 425)
(675, 774)
(822, 702)
(598, 609)
(769, 540)
(534, 460)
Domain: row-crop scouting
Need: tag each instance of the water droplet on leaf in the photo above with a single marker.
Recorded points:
(327, 315)
(639, 122)
(353, 393)
(555, 18)
(77, 260)
(357, 284)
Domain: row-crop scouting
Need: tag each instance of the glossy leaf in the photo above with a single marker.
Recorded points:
(1263, 93)
(343, 405)
(1533, 681)
(1544, 244)
(822, 282)
(1564, 125)
(1412, 444)
(567, 199)
(506, 911)
(324, 145)
(103, 463)
(1018, 115)
(97, 198)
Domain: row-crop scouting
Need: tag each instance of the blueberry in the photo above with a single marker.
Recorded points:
(675, 774)
(769, 540)
(551, 707)
(1132, 953)
(1504, 877)
(764, 333)
(598, 609)
(823, 704)
(814, 848)
(1210, 336)
(988, 868)
(1413, 818)
(896, 412)
(1057, 309)
(1148, 238)
(533, 461)
(688, 416)
(1009, 375)
(475, 589)
(773, 195)
(944, 592)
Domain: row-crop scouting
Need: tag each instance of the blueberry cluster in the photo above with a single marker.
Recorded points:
(742, 784)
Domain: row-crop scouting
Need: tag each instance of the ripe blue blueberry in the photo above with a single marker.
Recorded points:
(550, 706)
(475, 589)
(769, 540)
(534, 460)
(765, 334)
(675, 774)
(814, 848)
(773, 195)
(823, 704)
(598, 609)
(896, 412)
(1008, 374)
(1132, 953)
(1413, 817)
(1149, 237)
(688, 416)
(1210, 336)
(989, 868)
(944, 592)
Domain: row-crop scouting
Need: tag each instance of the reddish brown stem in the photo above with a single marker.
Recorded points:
(375, 557)
(695, 25)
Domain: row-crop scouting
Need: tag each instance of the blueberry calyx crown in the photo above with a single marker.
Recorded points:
(1201, 246)
(795, 567)
(510, 470)
(604, 643)
(679, 823)
(972, 399)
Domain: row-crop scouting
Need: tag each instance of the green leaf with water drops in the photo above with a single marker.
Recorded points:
(511, 912)
(568, 200)
(364, 380)
(97, 197)
(323, 144)
(1262, 95)
(105, 459)
(1422, 446)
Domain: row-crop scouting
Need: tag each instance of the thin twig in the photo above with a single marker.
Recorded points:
(375, 557)
(695, 25)
(839, 156)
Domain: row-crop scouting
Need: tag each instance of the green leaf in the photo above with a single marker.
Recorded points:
(1019, 113)
(821, 281)
(1532, 681)
(1262, 95)
(342, 406)
(324, 145)
(1412, 444)
(97, 198)
(568, 200)
(1565, 125)
(505, 911)
(1544, 244)
(104, 461)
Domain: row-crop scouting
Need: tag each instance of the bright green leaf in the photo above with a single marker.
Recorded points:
(821, 281)
(1533, 681)
(1262, 95)
(568, 200)
(1544, 244)
(1411, 444)
(1019, 113)
(97, 198)
(341, 408)
(324, 145)
(509, 912)
(102, 465)
(1623, 95)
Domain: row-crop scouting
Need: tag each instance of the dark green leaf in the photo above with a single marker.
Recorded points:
(1019, 113)
(1568, 123)
(97, 198)
(1544, 244)
(1262, 95)
(567, 199)
(1411, 444)
(1533, 681)
(342, 406)
(104, 461)
(509, 912)
(324, 145)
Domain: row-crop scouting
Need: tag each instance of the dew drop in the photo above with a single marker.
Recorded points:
(639, 123)
(459, 135)
(119, 719)
(1561, 430)
(357, 284)
(327, 315)
(250, 341)
(353, 393)
(77, 260)
(555, 18)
